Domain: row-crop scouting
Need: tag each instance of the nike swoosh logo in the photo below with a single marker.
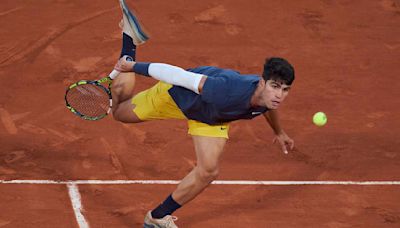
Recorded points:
(255, 113)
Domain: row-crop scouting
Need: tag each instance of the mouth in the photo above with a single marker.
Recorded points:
(275, 104)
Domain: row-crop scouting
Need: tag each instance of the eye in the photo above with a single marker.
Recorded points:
(275, 86)
(286, 89)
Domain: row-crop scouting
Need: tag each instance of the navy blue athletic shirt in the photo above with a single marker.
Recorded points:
(225, 97)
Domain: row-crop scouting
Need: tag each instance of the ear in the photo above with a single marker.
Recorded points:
(262, 82)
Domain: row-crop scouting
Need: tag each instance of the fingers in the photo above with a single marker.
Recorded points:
(284, 149)
(117, 67)
(283, 145)
(286, 143)
(124, 64)
(289, 143)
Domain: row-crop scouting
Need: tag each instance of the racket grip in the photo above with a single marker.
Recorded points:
(114, 74)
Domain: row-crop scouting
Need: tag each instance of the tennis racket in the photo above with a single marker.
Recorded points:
(91, 100)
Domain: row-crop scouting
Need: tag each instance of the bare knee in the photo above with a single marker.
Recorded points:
(117, 116)
(208, 174)
(125, 114)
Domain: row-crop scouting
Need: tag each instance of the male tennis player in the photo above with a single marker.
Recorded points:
(209, 98)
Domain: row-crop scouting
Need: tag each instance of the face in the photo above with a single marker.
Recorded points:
(274, 93)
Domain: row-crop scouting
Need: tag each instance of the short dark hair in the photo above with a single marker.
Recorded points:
(278, 69)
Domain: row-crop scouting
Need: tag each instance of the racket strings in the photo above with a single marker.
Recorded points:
(89, 100)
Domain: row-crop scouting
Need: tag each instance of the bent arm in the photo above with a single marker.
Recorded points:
(171, 74)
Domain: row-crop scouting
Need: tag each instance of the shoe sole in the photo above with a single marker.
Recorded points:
(139, 34)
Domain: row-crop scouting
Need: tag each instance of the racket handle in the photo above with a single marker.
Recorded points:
(114, 74)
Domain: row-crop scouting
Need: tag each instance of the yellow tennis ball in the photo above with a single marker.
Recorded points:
(320, 119)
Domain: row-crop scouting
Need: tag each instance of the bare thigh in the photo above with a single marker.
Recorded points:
(124, 113)
(208, 152)
(122, 93)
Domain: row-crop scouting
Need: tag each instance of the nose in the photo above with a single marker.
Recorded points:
(278, 93)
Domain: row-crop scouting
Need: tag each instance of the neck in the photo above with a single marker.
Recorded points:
(256, 98)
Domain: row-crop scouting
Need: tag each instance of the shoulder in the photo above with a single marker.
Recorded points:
(225, 87)
(213, 71)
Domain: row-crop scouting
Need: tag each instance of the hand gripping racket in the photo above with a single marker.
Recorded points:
(91, 100)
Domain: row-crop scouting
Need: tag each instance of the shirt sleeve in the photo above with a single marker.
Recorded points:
(215, 90)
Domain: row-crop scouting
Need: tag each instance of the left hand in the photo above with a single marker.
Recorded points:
(284, 141)
(124, 65)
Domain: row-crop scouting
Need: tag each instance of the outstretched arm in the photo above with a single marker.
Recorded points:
(164, 72)
(281, 137)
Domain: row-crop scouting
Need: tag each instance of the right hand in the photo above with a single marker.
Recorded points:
(284, 141)
(123, 65)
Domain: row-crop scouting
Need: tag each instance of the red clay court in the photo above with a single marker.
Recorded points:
(346, 55)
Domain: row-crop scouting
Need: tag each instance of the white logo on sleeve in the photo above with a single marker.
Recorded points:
(256, 113)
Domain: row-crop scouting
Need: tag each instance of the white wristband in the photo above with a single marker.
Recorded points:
(175, 76)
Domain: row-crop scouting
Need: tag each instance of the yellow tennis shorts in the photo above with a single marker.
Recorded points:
(156, 104)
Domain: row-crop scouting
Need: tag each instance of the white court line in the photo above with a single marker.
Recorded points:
(77, 205)
(219, 182)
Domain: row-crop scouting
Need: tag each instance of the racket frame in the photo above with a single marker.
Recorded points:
(96, 83)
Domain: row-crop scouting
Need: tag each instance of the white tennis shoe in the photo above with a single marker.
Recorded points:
(131, 25)
(166, 222)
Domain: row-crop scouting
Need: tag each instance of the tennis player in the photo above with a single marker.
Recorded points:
(209, 98)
